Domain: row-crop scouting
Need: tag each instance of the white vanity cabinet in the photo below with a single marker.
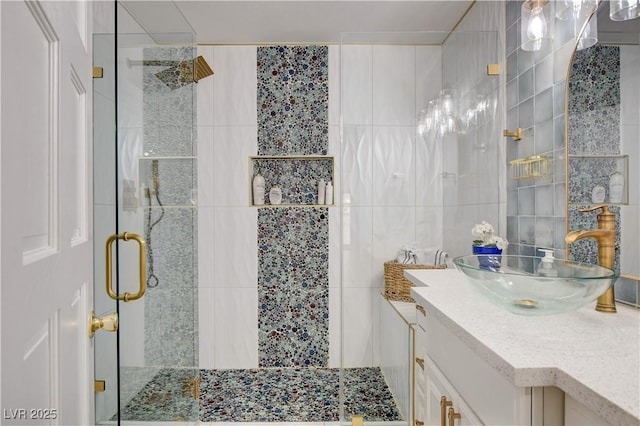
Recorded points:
(437, 402)
(579, 368)
(455, 387)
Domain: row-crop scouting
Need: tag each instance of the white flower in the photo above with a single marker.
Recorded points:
(483, 235)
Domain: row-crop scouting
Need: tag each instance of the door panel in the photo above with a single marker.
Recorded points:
(47, 283)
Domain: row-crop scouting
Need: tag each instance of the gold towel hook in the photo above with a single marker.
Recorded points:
(515, 134)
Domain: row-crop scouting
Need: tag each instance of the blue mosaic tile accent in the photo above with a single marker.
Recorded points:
(293, 99)
(586, 250)
(298, 178)
(293, 243)
(586, 173)
(594, 102)
(594, 129)
(293, 287)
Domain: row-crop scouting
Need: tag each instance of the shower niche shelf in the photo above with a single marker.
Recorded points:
(297, 176)
(591, 180)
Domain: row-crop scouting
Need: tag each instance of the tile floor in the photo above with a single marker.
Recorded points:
(299, 395)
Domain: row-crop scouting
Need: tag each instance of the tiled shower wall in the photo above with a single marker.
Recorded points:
(383, 88)
(233, 282)
(170, 333)
(293, 242)
(473, 158)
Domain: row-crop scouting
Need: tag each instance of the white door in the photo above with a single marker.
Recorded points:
(47, 251)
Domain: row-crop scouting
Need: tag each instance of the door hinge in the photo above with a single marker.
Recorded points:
(99, 386)
(97, 72)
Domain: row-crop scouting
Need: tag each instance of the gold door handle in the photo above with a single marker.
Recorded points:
(142, 260)
(421, 310)
(443, 410)
(453, 416)
(419, 423)
(107, 322)
(420, 362)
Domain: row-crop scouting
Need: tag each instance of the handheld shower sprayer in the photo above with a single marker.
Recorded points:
(155, 175)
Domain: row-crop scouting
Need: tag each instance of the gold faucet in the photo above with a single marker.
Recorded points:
(605, 235)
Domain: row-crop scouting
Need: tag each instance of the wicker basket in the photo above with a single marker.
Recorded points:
(396, 286)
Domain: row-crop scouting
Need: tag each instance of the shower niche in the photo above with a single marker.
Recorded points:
(297, 176)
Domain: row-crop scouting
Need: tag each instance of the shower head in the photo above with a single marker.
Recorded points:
(179, 73)
(185, 72)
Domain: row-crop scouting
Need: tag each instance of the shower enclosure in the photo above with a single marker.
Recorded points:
(270, 313)
(145, 207)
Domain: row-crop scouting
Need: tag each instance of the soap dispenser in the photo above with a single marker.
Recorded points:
(546, 267)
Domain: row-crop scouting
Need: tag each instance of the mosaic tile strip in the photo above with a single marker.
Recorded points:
(293, 287)
(292, 100)
(586, 173)
(170, 335)
(594, 129)
(594, 102)
(298, 178)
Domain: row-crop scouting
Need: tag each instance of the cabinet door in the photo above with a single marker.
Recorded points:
(437, 386)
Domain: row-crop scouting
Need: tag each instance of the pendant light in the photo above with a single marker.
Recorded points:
(535, 22)
(587, 33)
(567, 9)
(585, 26)
(623, 10)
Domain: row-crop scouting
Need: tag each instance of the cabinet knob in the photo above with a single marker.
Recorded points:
(444, 403)
(419, 423)
(453, 416)
(420, 362)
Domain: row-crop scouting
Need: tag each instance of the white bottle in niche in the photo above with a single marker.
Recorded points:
(258, 190)
(328, 193)
(275, 194)
(616, 187)
(321, 191)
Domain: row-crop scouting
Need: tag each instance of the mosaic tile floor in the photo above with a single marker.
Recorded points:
(264, 395)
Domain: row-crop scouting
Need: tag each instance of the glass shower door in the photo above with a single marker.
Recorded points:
(144, 155)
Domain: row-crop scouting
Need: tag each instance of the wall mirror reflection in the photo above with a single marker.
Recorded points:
(603, 140)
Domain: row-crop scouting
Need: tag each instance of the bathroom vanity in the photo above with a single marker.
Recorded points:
(477, 363)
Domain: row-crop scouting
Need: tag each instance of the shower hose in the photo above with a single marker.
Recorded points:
(152, 279)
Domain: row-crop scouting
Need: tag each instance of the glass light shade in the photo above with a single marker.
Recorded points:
(535, 25)
(567, 9)
(587, 36)
(447, 112)
(623, 10)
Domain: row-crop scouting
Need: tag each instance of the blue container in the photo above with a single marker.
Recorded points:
(490, 256)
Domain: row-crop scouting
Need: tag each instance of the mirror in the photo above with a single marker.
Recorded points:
(603, 143)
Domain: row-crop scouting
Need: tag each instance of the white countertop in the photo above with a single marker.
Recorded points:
(592, 356)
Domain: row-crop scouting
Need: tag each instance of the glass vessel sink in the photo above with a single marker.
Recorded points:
(511, 282)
